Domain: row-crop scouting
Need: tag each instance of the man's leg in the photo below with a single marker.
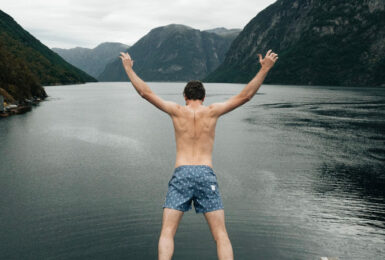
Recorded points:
(170, 222)
(216, 221)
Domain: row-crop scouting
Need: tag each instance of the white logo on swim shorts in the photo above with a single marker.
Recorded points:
(213, 187)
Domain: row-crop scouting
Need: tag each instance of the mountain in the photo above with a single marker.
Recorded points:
(26, 64)
(92, 61)
(172, 53)
(319, 42)
(225, 32)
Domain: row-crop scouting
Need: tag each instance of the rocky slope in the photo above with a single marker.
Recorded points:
(173, 53)
(93, 61)
(319, 42)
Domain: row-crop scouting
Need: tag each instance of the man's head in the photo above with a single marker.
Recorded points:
(194, 90)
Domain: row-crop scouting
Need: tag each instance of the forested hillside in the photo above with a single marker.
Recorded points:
(26, 64)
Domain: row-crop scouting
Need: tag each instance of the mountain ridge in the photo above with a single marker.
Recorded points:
(173, 52)
(92, 60)
(318, 43)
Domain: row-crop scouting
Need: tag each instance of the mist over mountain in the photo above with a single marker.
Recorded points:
(174, 53)
(225, 32)
(319, 42)
(93, 61)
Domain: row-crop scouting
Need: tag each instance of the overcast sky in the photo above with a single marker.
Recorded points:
(86, 23)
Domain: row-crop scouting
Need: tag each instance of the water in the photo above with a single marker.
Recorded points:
(300, 169)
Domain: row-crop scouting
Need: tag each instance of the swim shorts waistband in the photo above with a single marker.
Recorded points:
(193, 166)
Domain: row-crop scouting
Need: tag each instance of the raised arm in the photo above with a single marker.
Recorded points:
(250, 89)
(144, 90)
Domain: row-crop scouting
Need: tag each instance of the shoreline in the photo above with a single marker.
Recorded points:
(27, 105)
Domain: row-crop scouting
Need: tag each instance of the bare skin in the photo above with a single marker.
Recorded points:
(194, 126)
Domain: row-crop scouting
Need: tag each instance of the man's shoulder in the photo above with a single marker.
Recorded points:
(181, 110)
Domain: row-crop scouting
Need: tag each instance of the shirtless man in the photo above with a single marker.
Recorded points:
(193, 178)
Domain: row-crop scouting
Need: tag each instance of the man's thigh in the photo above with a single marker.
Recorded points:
(170, 221)
(216, 222)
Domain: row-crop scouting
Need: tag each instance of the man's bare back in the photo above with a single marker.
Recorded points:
(194, 178)
(194, 126)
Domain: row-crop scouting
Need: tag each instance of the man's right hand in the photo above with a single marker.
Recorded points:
(126, 60)
(269, 60)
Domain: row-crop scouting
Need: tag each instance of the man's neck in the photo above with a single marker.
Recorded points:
(194, 103)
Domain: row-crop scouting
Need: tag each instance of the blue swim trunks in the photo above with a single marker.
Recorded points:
(196, 183)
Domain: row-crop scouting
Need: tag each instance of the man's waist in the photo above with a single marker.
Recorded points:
(193, 166)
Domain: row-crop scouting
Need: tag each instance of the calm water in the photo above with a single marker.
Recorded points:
(300, 169)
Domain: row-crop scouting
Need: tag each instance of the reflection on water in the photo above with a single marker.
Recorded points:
(84, 175)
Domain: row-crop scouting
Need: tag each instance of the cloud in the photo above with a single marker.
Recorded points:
(86, 23)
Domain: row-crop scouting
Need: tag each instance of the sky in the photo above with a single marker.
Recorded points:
(87, 23)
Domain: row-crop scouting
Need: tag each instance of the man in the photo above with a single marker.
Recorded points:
(194, 178)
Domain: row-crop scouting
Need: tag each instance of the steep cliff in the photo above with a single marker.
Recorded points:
(319, 42)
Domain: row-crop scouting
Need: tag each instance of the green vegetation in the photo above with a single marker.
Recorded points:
(15, 75)
(26, 64)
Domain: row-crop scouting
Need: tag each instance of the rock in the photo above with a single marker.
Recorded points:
(320, 42)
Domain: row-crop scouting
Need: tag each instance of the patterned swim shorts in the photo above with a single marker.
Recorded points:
(196, 183)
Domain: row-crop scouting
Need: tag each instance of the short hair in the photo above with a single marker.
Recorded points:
(194, 90)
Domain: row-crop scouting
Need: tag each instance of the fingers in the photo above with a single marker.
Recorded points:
(274, 56)
(260, 57)
(270, 55)
(125, 55)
